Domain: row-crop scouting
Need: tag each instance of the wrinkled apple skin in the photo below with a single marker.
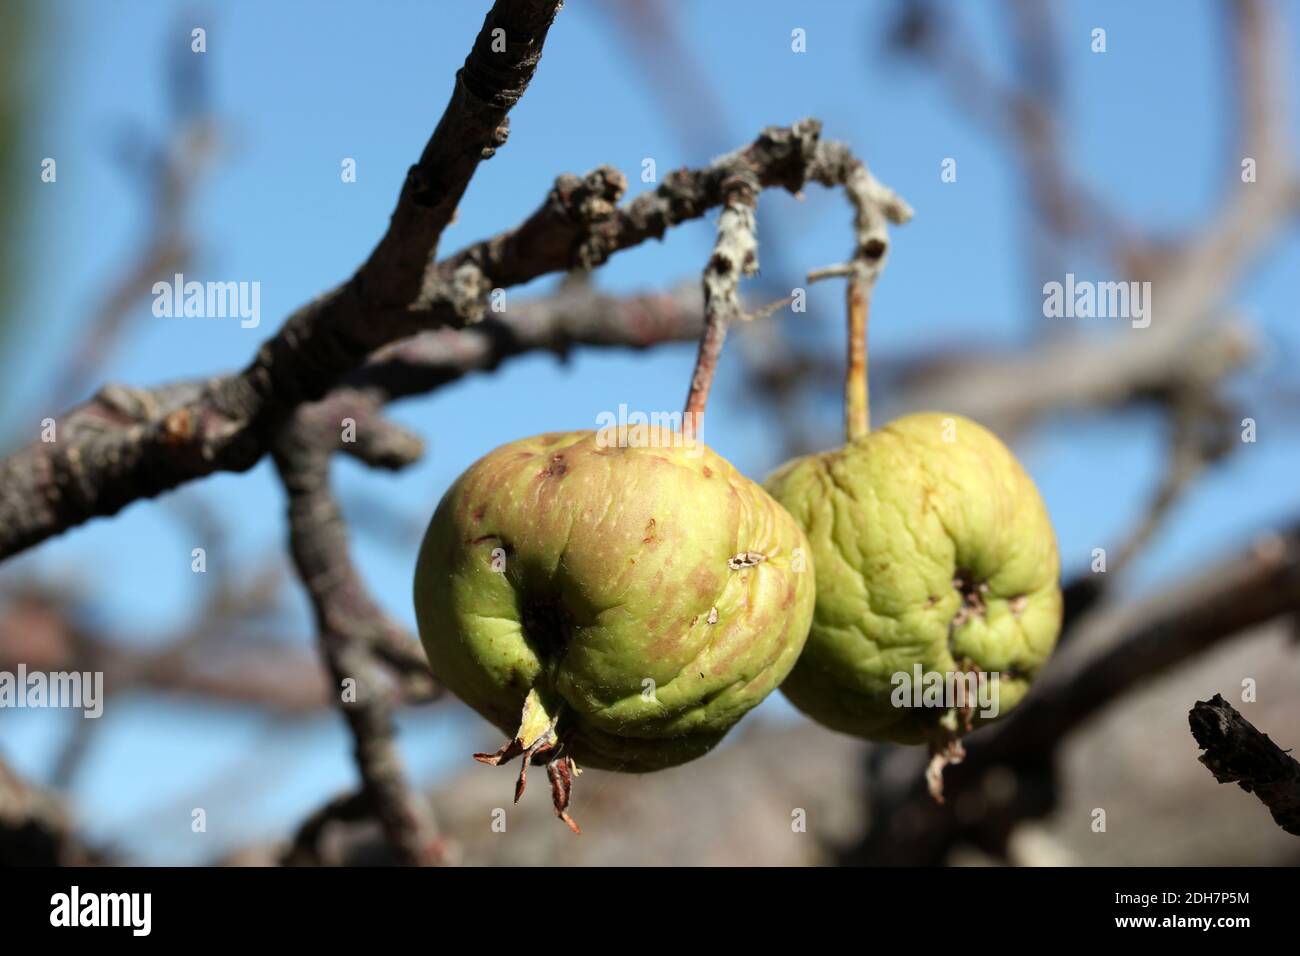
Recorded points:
(893, 520)
(614, 561)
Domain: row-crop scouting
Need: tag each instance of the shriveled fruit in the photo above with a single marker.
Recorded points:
(621, 607)
(932, 548)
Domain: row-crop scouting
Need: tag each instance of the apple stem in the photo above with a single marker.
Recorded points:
(857, 397)
(875, 205)
(706, 365)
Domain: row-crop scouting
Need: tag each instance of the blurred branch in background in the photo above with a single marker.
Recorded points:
(1193, 278)
(350, 624)
(168, 170)
(1023, 112)
(35, 827)
(218, 655)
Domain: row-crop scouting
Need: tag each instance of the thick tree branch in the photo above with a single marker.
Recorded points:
(473, 126)
(128, 444)
(575, 316)
(110, 452)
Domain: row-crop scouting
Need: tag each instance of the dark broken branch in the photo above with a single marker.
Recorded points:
(1236, 752)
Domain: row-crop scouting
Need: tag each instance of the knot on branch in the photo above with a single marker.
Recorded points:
(131, 404)
(589, 199)
(468, 291)
(585, 203)
(736, 252)
(497, 139)
(785, 154)
(421, 187)
(741, 188)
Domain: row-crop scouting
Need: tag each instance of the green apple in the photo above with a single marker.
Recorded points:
(617, 605)
(935, 557)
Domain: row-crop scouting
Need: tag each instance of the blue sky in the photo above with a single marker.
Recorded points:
(298, 86)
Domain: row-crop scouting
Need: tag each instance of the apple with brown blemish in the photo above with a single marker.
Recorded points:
(610, 606)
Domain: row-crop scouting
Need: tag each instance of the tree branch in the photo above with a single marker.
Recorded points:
(574, 316)
(735, 254)
(350, 624)
(474, 125)
(35, 829)
(1235, 752)
(128, 444)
